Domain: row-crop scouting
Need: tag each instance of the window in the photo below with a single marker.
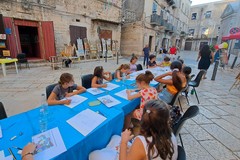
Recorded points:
(194, 16)
(208, 14)
(191, 32)
(154, 8)
(205, 31)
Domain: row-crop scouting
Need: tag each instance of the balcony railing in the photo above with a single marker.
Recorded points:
(156, 20)
(168, 26)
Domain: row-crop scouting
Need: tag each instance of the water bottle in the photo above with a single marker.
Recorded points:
(43, 115)
(42, 121)
(123, 77)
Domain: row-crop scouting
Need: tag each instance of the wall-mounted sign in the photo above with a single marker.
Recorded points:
(3, 36)
(8, 31)
(234, 30)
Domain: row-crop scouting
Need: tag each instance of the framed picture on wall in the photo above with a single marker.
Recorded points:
(2, 44)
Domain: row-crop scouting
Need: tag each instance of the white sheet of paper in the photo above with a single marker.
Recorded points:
(95, 91)
(123, 94)
(2, 155)
(111, 86)
(49, 144)
(109, 101)
(0, 131)
(76, 100)
(86, 121)
(10, 157)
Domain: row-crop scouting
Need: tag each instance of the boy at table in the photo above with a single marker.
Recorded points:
(65, 88)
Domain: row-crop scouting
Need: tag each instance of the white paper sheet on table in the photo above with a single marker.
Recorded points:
(109, 101)
(2, 156)
(153, 82)
(76, 100)
(86, 121)
(123, 94)
(111, 86)
(49, 144)
(95, 91)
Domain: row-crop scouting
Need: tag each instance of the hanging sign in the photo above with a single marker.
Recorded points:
(234, 30)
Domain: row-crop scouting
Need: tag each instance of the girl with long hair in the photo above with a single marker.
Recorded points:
(174, 84)
(98, 76)
(123, 70)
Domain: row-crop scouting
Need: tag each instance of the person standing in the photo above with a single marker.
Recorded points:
(146, 51)
(173, 52)
(206, 58)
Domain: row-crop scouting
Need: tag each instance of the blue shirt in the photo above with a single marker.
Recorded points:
(146, 51)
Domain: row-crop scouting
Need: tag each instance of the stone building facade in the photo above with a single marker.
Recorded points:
(65, 19)
(157, 23)
(205, 24)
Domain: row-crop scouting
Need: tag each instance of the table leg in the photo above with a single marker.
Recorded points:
(4, 69)
(16, 67)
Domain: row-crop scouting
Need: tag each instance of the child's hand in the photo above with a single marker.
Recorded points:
(128, 76)
(128, 91)
(69, 94)
(67, 101)
(126, 136)
(104, 85)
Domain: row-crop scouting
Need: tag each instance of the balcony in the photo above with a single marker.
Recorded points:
(170, 2)
(169, 27)
(156, 20)
(174, 30)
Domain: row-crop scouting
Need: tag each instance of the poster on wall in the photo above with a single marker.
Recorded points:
(3, 36)
(104, 46)
(80, 51)
(2, 45)
(86, 45)
(109, 47)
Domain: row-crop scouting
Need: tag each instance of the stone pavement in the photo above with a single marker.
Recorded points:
(213, 134)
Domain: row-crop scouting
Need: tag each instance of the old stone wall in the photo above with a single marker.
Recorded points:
(64, 13)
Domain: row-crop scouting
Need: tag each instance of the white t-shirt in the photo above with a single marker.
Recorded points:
(174, 141)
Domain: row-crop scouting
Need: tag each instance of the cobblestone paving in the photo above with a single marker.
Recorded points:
(212, 135)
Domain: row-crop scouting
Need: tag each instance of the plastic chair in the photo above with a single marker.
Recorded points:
(2, 112)
(49, 89)
(174, 100)
(191, 112)
(139, 67)
(181, 153)
(195, 83)
(87, 80)
(22, 59)
(113, 75)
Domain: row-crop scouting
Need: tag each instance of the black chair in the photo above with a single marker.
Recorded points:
(22, 59)
(139, 67)
(113, 75)
(2, 112)
(191, 112)
(49, 89)
(195, 83)
(181, 153)
(87, 80)
(174, 100)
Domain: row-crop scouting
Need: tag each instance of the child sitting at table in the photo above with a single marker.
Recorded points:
(173, 85)
(133, 66)
(152, 61)
(122, 71)
(156, 140)
(146, 93)
(166, 62)
(99, 75)
(64, 88)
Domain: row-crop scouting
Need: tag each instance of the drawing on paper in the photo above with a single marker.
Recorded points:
(43, 142)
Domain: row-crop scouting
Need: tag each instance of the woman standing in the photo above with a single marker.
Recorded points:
(206, 58)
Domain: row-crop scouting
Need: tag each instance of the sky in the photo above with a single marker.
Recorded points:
(195, 2)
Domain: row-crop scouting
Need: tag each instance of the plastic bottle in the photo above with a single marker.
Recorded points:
(43, 115)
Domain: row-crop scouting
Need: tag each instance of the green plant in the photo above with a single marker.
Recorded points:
(212, 49)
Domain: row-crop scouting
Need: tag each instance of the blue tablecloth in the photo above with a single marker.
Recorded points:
(78, 146)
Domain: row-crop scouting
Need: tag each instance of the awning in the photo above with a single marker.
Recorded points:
(235, 36)
(225, 38)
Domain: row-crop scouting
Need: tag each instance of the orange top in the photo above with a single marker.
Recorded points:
(171, 89)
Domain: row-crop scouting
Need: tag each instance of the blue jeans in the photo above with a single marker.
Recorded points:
(165, 96)
(145, 59)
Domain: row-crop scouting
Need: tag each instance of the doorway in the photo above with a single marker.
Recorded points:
(150, 42)
(29, 41)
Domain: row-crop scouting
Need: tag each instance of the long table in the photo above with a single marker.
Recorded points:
(4, 61)
(26, 125)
